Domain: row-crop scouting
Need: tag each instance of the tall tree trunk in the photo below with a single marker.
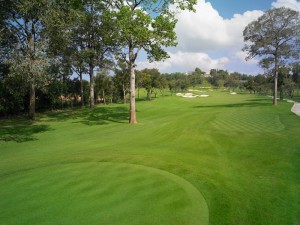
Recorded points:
(81, 89)
(103, 94)
(149, 95)
(124, 93)
(32, 101)
(132, 119)
(281, 92)
(275, 82)
(92, 98)
(132, 95)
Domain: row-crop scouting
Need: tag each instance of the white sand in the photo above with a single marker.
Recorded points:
(190, 95)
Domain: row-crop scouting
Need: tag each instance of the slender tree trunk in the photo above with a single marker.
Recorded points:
(92, 97)
(124, 93)
(81, 89)
(149, 95)
(281, 92)
(32, 102)
(132, 119)
(275, 82)
(132, 96)
(103, 94)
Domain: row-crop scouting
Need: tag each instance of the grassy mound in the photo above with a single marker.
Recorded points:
(99, 193)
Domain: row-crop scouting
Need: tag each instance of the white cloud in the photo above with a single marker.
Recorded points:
(206, 30)
(240, 55)
(186, 61)
(205, 33)
(292, 4)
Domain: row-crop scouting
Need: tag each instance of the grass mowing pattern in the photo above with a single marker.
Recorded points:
(99, 193)
(248, 121)
(246, 177)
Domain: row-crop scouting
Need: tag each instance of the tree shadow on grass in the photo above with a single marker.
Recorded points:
(247, 103)
(106, 115)
(97, 116)
(20, 130)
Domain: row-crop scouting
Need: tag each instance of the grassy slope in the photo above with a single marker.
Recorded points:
(238, 150)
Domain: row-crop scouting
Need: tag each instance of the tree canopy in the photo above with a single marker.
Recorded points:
(275, 38)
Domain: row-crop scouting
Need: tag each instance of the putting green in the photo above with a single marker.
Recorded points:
(99, 193)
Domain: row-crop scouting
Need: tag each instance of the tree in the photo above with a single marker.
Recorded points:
(231, 82)
(122, 79)
(283, 74)
(141, 79)
(103, 85)
(296, 73)
(152, 81)
(26, 43)
(92, 39)
(62, 22)
(275, 38)
(147, 25)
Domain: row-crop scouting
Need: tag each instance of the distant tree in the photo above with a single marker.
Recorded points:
(218, 77)
(289, 86)
(172, 86)
(231, 82)
(162, 84)
(250, 85)
(153, 81)
(220, 83)
(283, 75)
(198, 71)
(103, 85)
(296, 73)
(141, 80)
(275, 37)
(121, 79)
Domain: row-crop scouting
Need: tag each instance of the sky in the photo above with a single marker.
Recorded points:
(212, 38)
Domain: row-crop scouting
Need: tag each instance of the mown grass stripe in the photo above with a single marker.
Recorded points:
(100, 192)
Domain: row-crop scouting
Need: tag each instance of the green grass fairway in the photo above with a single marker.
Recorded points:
(221, 160)
(99, 193)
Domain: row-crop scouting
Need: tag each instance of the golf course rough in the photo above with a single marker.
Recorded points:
(100, 193)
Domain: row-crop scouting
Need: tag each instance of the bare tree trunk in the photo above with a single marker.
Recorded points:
(132, 96)
(32, 102)
(132, 119)
(103, 95)
(149, 95)
(275, 82)
(281, 92)
(124, 93)
(81, 89)
(92, 97)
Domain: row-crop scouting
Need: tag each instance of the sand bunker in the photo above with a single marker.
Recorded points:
(190, 95)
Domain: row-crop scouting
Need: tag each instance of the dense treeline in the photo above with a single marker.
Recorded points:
(112, 86)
